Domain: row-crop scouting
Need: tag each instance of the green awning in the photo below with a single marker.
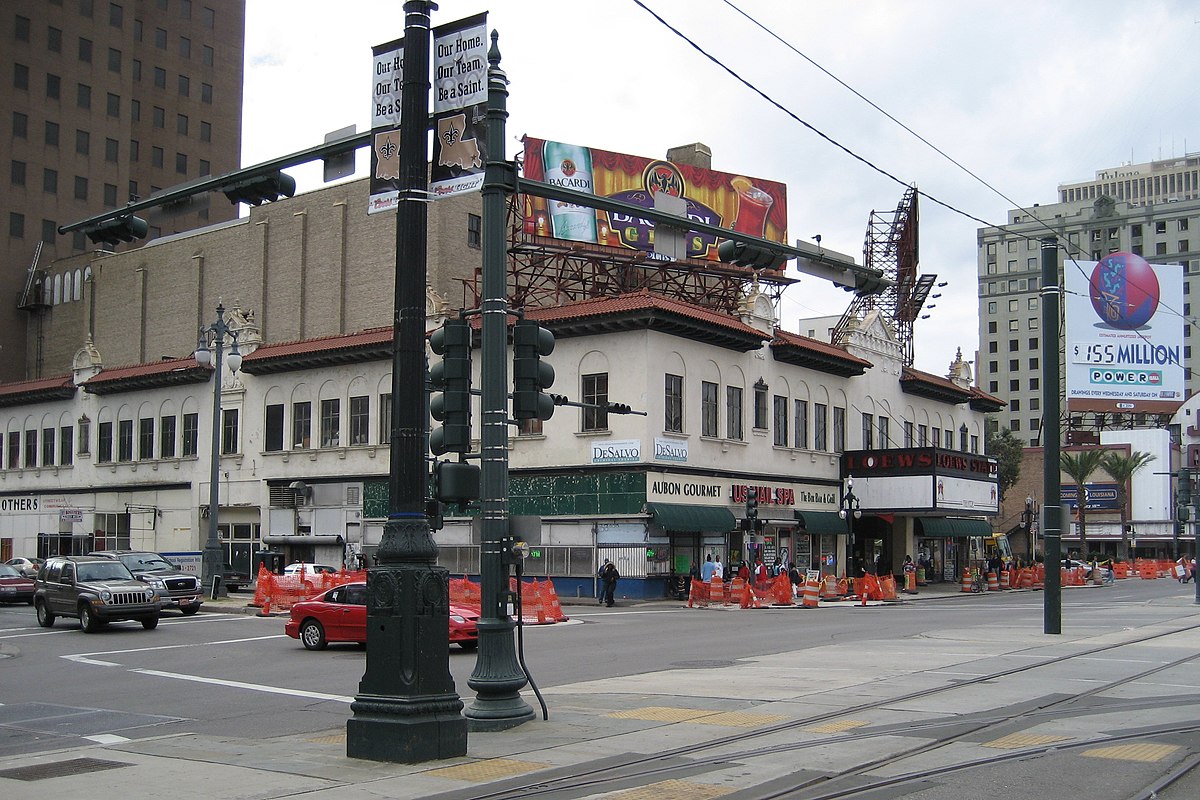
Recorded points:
(691, 519)
(821, 522)
(953, 527)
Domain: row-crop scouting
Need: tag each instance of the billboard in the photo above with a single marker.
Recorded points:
(751, 205)
(1124, 335)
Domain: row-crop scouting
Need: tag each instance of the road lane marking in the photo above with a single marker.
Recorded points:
(254, 687)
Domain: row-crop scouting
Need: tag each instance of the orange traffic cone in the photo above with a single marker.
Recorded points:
(966, 581)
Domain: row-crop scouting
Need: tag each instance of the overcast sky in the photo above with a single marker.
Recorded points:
(1025, 94)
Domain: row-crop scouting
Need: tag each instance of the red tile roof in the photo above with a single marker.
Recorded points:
(642, 300)
(322, 344)
(58, 387)
(785, 338)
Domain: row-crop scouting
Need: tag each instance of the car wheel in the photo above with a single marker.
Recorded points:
(87, 619)
(189, 610)
(469, 645)
(150, 623)
(44, 617)
(312, 635)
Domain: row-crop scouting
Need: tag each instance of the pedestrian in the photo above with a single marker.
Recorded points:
(706, 571)
(760, 575)
(718, 569)
(777, 568)
(608, 581)
(1182, 573)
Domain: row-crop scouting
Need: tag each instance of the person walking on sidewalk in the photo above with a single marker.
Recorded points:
(608, 581)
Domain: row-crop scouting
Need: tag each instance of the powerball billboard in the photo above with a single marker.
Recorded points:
(1124, 335)
(751, 205)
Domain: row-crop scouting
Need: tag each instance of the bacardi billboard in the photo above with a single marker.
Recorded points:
(750, 205)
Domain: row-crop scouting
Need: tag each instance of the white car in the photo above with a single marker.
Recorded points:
(26, 566)
(309, 569)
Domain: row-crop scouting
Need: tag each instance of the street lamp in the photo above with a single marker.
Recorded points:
(850, 511)
(209, 350)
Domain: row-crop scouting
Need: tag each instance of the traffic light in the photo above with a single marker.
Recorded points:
(122, 229)
(746, 254)
(456, 481)
(530, 376)
(869, 283)
(451, 377)
(619, 408)
(752, 503)
(260, 189)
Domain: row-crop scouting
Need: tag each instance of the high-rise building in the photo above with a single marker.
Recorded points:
(1161, 223)
(102, 103)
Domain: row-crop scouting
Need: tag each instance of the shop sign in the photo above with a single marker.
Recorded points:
(670, 450)
(616, 452)
(19, 505)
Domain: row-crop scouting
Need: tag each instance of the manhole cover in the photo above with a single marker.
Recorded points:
(703, 664)
(57, 769)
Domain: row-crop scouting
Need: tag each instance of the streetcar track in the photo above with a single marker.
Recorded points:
(643, 767)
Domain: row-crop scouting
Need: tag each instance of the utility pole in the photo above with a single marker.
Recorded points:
(406, 709)
(497, 678)
(1051, 427)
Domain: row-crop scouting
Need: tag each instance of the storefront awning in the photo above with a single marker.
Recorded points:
(691, 519)
(821, 522)
(307, 538)
(953, 527)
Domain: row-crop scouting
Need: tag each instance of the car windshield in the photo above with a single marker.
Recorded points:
(8, 572)
(146, 562)
(103, 571)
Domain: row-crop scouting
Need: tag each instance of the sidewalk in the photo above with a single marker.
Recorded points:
(591, 724)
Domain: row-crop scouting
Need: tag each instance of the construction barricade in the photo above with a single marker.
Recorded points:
(812, 593)
(698, 597)
(993, 582)
(716, 591)
(280, 592)
(887, 588)
(781, 590)
(966, 581)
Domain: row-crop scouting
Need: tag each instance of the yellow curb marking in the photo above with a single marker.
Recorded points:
(1133, 752)
(488, 770)
(1017, 740)
(733, 719)
(671, 790)
(838, 727)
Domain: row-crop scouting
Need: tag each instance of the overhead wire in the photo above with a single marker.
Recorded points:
(1067, 245)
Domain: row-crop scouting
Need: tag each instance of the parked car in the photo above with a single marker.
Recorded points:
(26, 566)
(232, 579)
(96, 590)
(174, 587)
(310, 569)
(14, 587)
(340, 615)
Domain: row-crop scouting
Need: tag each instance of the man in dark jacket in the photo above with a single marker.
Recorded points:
(608, 582)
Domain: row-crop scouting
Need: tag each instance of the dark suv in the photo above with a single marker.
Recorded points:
(174, 587)
(96, 590)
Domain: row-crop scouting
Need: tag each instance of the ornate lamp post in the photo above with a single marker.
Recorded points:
(1027, 522)
(850, 511)
(209, 351)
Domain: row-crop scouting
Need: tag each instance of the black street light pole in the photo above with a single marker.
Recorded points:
(1051, 431)
(406, 709)
(210, 351)
(1027, 521)
(850, 511)
(497, 678)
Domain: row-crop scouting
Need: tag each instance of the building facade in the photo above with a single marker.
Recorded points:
(105, 102)
(1010, 316)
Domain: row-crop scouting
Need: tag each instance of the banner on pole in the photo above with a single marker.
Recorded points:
(460, 94)
(387, 76)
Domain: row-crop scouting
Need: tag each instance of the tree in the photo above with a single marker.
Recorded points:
(1122, 468)
(1007, 450)
(1080, 466)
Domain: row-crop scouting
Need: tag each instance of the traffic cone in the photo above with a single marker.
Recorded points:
(811, 594)
(966, 581)
(1005, 579)
(910, 583)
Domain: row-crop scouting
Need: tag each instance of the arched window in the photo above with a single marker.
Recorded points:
(79, 276)
(57, 289)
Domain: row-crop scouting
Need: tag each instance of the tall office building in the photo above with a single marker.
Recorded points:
(104, 102)
(1158, 219)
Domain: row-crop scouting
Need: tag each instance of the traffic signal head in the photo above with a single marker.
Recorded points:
(752, 503)
(530, 375)
(747, 254)
(868, 284)
(260, 188)
(452, 379)
(619, 408)
(122, 229)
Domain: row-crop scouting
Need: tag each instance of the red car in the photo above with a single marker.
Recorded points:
(340, 615)
(14, 587)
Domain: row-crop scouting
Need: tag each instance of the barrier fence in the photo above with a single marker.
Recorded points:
(539, 599)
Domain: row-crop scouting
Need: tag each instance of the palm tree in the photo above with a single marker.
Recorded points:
(1080, 466)
(1122, 468)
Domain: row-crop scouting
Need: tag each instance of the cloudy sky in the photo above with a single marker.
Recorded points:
(1026, 95)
